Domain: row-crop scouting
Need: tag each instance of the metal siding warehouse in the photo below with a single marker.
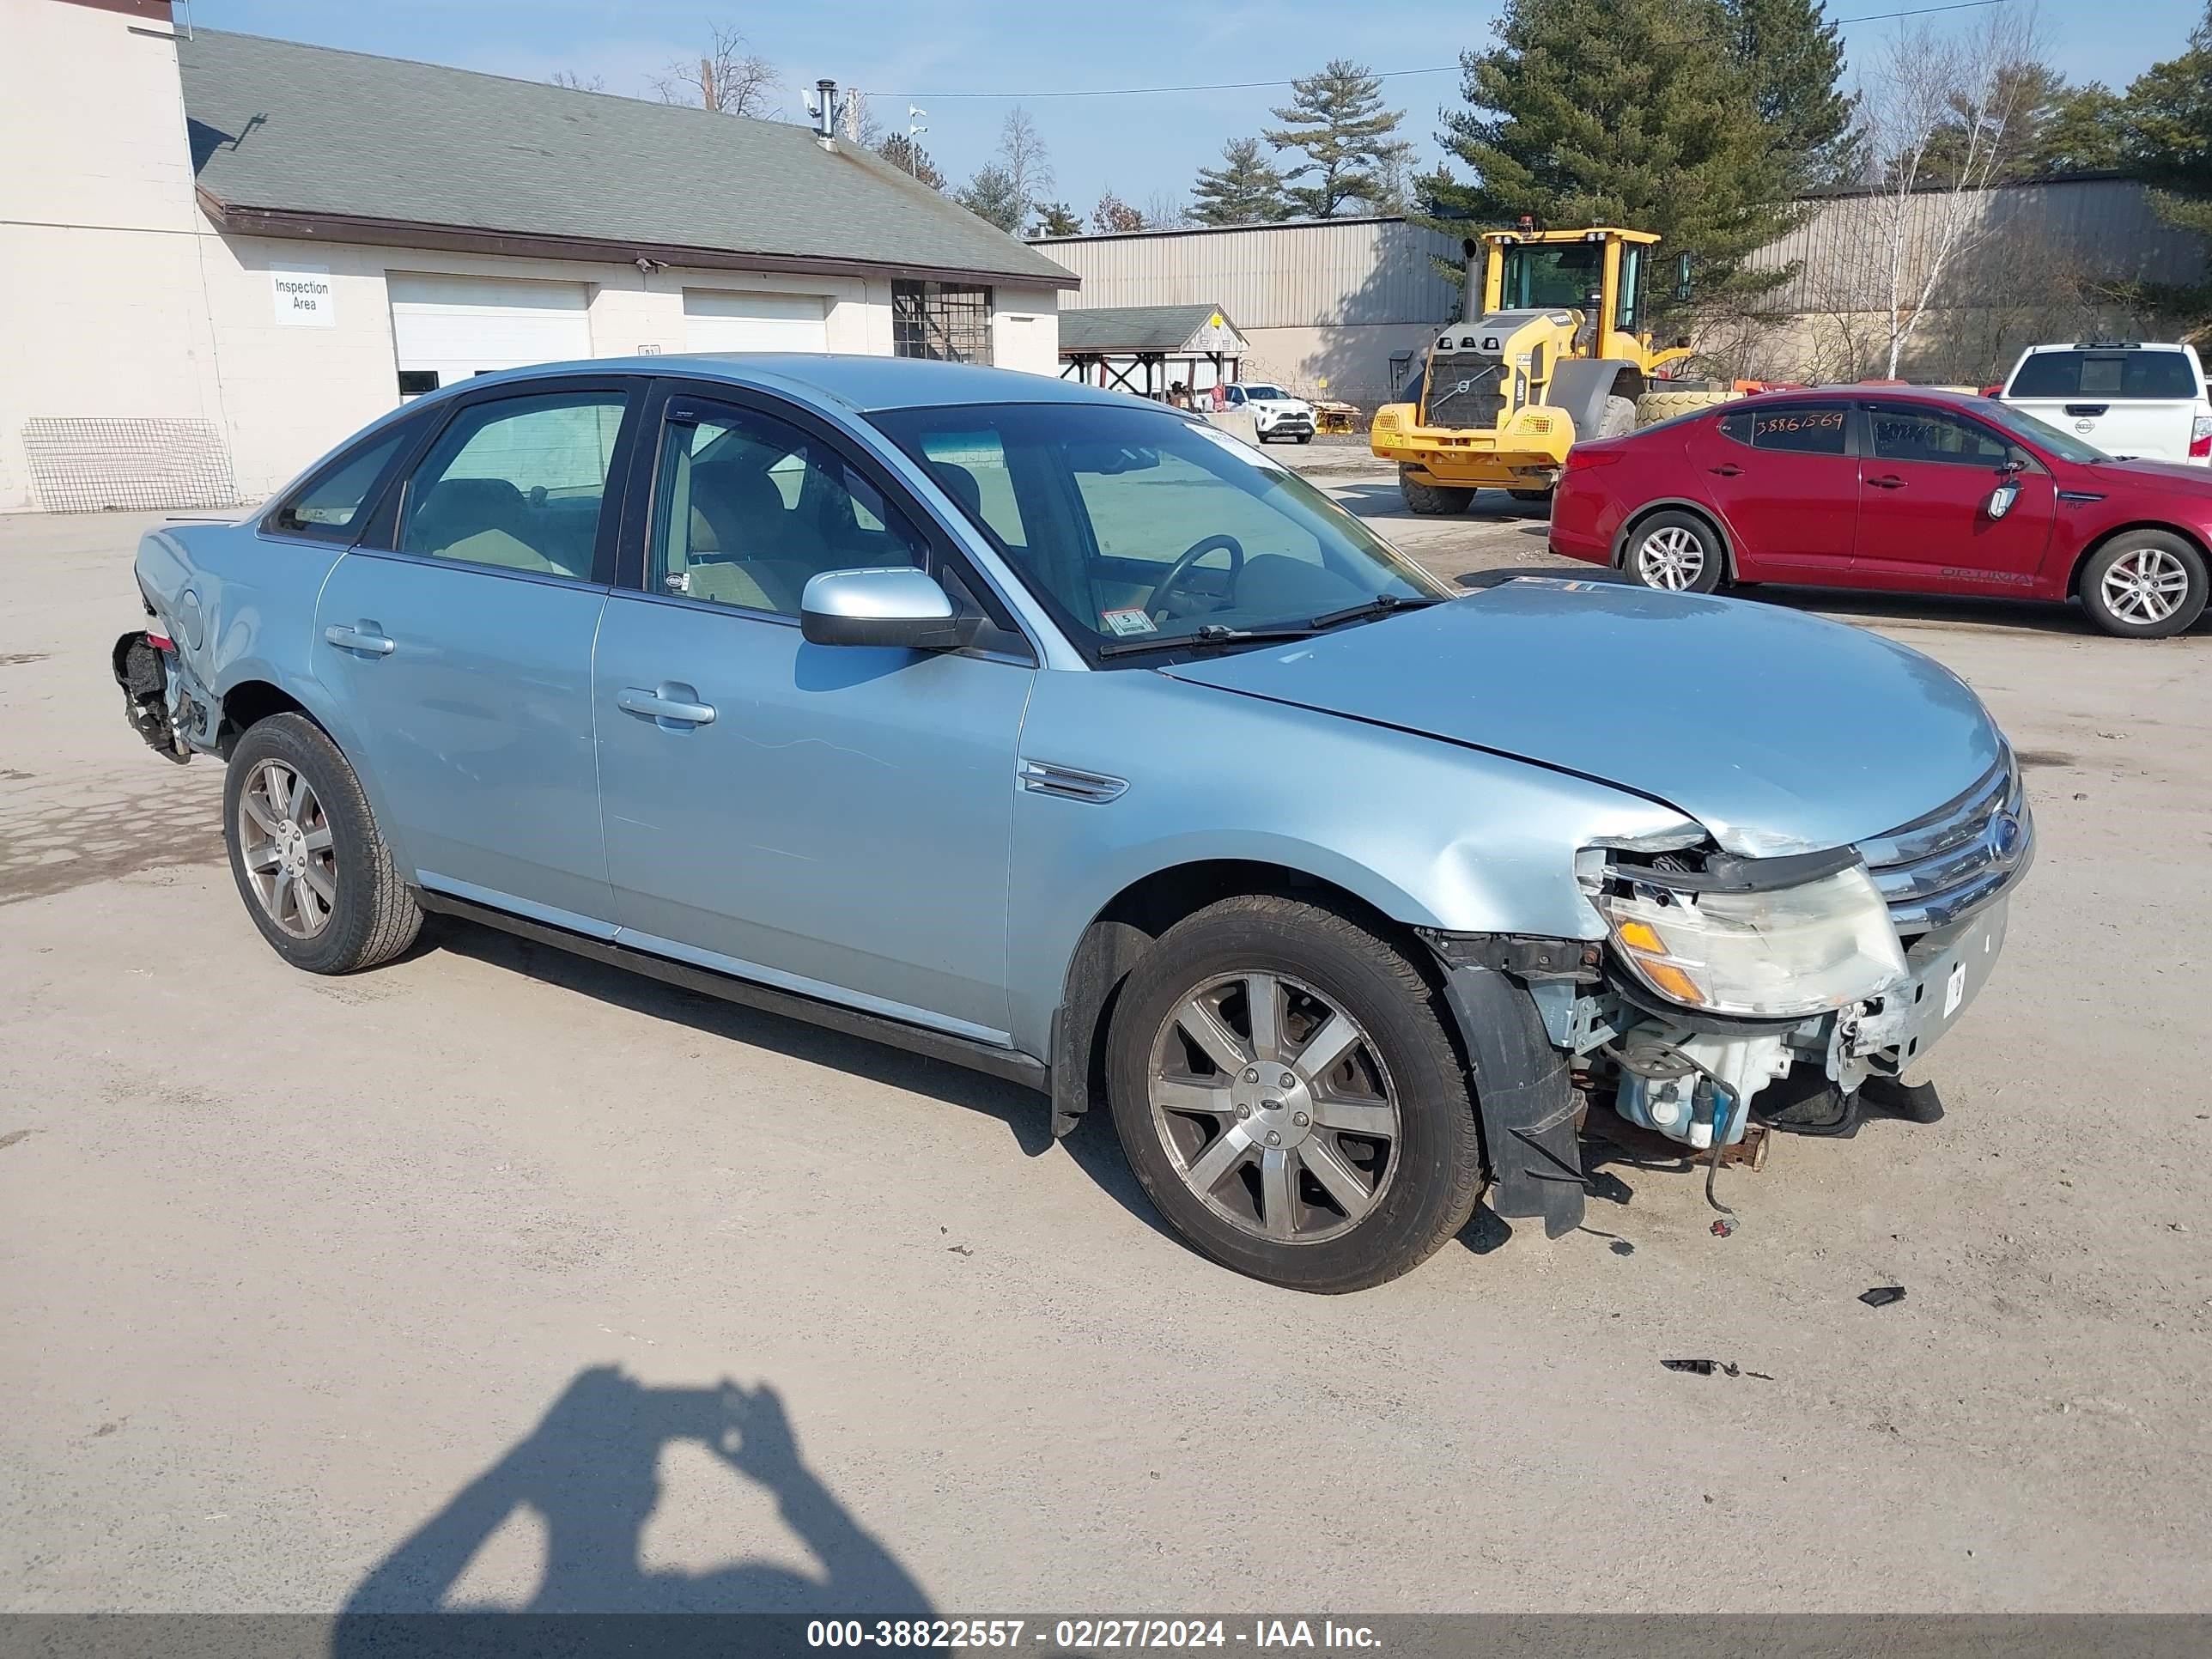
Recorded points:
(1333, 300)
(1320, 302)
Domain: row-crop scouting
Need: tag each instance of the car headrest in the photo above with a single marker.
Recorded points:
(960, 484)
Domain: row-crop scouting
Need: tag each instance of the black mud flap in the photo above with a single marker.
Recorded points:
(1526, 1094)
(143, 673)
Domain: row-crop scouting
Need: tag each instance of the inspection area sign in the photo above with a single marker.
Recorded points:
(302, 296)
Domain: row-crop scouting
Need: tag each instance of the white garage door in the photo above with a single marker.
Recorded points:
(722, 319)
(453, 327)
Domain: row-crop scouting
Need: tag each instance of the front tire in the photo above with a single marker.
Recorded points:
(316, 876)
(1288, 1095)
(2144, 585)
(1432, 501)
(1676, 552)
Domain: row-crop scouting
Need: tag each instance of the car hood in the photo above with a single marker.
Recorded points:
(1779, 732)
(2197, 479)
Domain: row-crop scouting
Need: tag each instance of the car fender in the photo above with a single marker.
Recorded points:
(1707, 510)
(1128, 773)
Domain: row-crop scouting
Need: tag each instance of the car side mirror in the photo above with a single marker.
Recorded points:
(2002, 498)
(900, 606)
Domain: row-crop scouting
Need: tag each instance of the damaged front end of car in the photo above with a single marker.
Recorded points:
(1720, 976)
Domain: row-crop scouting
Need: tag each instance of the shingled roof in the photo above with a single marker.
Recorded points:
(1123, 329)
(308, 141)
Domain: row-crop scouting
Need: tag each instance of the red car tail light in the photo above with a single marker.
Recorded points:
(1582, 457)
(2200, 440)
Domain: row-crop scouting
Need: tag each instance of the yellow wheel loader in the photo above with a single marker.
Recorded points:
(1559, 350)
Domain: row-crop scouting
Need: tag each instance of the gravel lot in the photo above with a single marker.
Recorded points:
(292, 1267)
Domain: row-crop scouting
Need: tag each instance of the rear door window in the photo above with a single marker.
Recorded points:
(2093, 375)
(517, 482)
(1796, 429)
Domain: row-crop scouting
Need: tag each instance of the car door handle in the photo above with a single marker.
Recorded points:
(1887, 481)
(654, 706)
(1726, 470)
(361, 637)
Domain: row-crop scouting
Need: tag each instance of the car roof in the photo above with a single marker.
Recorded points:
(859, 383)
(2110, 345)
(1911, 394)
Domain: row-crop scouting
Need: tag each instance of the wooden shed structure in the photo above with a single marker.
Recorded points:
(1148, 348)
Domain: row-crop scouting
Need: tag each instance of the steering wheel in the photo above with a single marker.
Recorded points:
(1192, 555)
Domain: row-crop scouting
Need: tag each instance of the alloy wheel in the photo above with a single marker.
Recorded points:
(1275, 1107)
(2146, 585)
(1671, 557)
(284, 839)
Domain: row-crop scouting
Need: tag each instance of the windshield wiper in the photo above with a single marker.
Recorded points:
(1208, 633)
(1380, 605)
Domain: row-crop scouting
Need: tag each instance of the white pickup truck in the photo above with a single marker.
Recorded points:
(2140, 402)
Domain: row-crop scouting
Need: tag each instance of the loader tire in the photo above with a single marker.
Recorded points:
(1432, 501)
(1618, 419)
(1666, 405)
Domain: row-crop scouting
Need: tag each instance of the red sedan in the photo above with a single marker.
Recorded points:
(1904, 490)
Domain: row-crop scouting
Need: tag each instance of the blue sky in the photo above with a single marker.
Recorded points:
(1136, 145)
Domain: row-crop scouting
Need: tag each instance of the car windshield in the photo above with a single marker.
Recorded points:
(2065, 445)
(1267, 393)
(1139, 529)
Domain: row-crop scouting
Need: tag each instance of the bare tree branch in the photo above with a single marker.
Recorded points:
(1941, 116)
(578, 82)
(726, 77)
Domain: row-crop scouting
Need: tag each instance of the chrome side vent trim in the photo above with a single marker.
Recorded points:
(1070, 783)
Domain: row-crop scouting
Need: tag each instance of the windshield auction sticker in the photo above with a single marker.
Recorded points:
(1123, 623)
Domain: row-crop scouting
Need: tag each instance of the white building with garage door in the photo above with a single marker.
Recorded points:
(220, 254)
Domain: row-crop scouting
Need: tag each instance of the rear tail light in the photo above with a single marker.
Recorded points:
(2200, 438)
(160, 640)
(1582, 457)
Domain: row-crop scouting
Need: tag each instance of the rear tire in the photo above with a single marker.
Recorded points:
(316, 876)
(2144, 585)
(1618, 419)
(1674, 552)
(1432, 501)
(1354, 1171)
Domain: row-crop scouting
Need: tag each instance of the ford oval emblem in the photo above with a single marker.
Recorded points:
(2005, 836)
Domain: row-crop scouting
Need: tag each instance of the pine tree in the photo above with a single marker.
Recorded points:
(1620, 112)
(1793, 57)
(992, 195)
(1058, 219)
(2080, 133)
(1336, 119)
(2167, 134)
(1246, 189)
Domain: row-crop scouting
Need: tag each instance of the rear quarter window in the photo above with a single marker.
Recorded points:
(2090, 376)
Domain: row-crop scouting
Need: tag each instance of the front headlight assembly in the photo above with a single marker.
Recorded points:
(1753, 938)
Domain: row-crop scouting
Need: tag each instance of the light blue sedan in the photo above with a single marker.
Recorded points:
(1065, 737)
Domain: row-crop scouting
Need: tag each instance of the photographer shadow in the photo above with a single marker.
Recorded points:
(590, 1472)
